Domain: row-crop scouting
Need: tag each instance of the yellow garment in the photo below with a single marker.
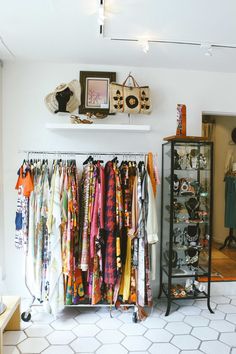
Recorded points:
(152, 173)
(126, 275)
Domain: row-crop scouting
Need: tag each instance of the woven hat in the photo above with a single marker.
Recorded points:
(73, 103)
(233, 135)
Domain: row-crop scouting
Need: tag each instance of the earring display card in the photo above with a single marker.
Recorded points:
(186, 218)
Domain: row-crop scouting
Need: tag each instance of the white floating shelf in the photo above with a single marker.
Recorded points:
(108, 127)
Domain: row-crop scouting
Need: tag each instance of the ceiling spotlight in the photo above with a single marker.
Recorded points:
(101, 13)
(144, 45)
(207, 48)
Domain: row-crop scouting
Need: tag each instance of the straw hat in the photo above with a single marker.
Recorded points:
(73, 102)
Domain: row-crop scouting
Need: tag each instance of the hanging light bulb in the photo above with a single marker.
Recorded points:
(144, 45)
(207, 48)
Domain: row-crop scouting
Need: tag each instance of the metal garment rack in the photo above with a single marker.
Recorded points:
(26, 316)
(83, 153)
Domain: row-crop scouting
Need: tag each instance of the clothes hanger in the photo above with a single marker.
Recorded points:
(89, 159)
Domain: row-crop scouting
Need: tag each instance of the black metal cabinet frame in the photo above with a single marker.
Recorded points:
(198, 175)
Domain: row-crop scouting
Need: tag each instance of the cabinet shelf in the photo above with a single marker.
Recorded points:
(100, 127)
(200, 272)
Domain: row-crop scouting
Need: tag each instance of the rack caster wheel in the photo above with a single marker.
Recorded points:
(134, 317)
(26, 316)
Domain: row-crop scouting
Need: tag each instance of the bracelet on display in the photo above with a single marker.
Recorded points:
(192, 256)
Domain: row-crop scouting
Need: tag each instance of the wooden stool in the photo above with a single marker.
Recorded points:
(10, 319)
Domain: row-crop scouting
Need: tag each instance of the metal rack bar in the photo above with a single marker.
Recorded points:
(82, 153)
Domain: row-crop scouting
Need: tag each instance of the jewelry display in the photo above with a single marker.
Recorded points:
(192, 233)
(192, 206)
(192, 257)
(186, 222)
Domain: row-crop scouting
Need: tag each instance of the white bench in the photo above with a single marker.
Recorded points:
(10, 319)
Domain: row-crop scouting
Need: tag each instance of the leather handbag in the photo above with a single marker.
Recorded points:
(132, 99)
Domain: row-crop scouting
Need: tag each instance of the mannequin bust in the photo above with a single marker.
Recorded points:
(63, 98)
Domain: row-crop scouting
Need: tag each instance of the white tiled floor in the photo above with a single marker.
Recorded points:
(189, 329)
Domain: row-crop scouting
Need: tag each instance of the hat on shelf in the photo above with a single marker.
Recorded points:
(233, 135)
(65, 98)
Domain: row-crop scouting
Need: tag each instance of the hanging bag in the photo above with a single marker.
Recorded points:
(132, 99)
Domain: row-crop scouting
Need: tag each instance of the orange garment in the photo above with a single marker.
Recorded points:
(151, 172)
(25, 180)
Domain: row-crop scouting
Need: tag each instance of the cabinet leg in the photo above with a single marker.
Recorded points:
(209, 306)
(160, 292)
(168, 308)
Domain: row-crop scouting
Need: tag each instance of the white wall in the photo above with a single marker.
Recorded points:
(24, 118)
(1, 191)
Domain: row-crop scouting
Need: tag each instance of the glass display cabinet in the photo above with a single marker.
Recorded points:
(186, 220)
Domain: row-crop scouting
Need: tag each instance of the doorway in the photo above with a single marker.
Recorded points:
(218, 129)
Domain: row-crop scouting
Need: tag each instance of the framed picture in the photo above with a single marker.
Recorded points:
(95, 94)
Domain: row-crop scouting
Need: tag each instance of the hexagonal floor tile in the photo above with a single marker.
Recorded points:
(163, 348)
(162, 305)
(132, 329)
(178, 328)
(87, 344)
(173, 317)
(33, 345)
(231, 318)
(87, 318)
(108, 336)
(233, 351)
(105, 312)
(220, 299)
(109, 323)
(158, 335)
(228, 338)
(190, 310)
(86, 330)
(186, 342)
(196, 321)
(58, 349)
(64, 324)
(205, 333)
(13, 337)
(61, 337)
(111, 348)
(43, 317)
(125, 317)
(10, 350)
(233, 302)
(227, 308)
(154, 322)
(38, 330)
(213, 346)
(202, 304)
(222, 326)
(136, 343)
(186, 302)
(191, 352)
(217, 315)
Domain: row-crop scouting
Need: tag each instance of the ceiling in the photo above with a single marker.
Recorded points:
(68, 31)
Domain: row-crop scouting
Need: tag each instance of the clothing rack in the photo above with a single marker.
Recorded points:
(60, 154)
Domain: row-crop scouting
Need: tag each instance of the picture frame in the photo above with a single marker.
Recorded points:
(95, 92)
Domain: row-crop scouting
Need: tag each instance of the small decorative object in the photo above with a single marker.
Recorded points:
(65, 98)
(181, 120)
(202, 161)
(132, 99)
(192, 206)
(178, 291)
(176, 184)
(192, 257)
(95, 93)
(77, 120)
(176, 160)
(186, 188)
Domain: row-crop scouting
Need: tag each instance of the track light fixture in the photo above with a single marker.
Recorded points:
(144, 44)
